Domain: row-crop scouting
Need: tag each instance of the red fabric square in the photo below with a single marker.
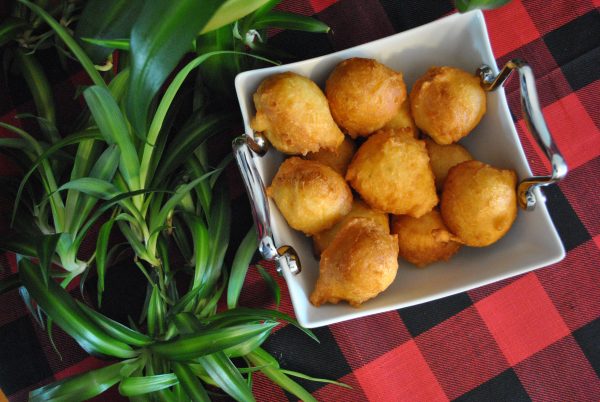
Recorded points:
(402, 374)
(366, 339)
(511, 15)
(558, 373)
(597, 241)
(547, 18)
(575, 133)
(320, 5)
(264, 390)
(589, 96)
(571, 284)
(87, 364)
(522, 318)
(461, 353)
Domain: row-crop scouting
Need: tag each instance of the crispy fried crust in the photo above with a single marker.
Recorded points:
(312, 197)
(391, 172)
(443, 157)
(339, 159)
(479, 202)
(403, 120)
(294, 115)
(447, 103)
(364, 95)
(424, 240)
(359, 209)
(360, 263)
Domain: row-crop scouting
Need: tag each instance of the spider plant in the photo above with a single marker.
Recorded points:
(134, 170)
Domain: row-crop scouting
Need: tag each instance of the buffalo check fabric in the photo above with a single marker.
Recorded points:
(531, 337)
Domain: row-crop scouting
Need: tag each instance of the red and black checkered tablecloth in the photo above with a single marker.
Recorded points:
(532, 337)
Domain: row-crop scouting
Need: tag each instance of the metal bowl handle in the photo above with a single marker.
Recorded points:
(285, 257)
(534, 119)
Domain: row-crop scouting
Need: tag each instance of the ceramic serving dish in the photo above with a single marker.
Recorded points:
(458, 40)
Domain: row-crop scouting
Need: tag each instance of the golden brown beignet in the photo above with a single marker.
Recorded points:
(363, 95)
(447, 103)
(311, 197)
(424, 240)
(359, 210)
(443, 157)
(479, 202)
(360, 263)
(294, 115)
(403, 120)
(339, 159)
(391, 172)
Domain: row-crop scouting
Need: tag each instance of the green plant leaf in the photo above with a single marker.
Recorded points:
(115, 329)
(156, 313)
(83, 386)
(10, 28)
(46, 246)
(307, 377)
(61, 307)
(232, 10)
(162, 34)
(239, 267)
(20, 243)
(271, 283)
(120, 44)
(91, 186)
(191, 385)
(114, 128)
(143, 385)
(106, 19)
(201, 243)
(225, 374)
(189, 347)
(66, 37)
(102, 255)
(283, 20)
(241, 315)
(468, 5)
(270, 368)
(40, 89)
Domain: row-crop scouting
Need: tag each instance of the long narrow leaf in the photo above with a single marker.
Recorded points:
(66, 37)
(46, 247)
(101, 256)
(307, 377)
(232, 10)
(226, 375)
(283, 20)
(121, 44)
(114, 128)
(239, 267)
(192, 386)
(143, 385)
(91, 186)
(59, 305)
(11, 27)
(271, 283)
(162, 34)
(210, 341)
(263, 359)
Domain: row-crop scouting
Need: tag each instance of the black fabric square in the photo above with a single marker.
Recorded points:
(571, 230)
(423, 317)
(408, 14)
(504, 387)
(296, 44)
(23, 360)
(321, 360)
(575, 48)
(588, 338)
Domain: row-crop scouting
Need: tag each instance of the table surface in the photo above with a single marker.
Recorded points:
(531, 337)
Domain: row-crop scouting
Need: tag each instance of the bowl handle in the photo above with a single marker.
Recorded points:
(285, 257)
(535, 122)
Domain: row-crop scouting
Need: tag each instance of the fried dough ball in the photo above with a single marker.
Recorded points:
(403, 120)
(359, 210)
(391, 172)
(424, 240)
(339, 159)
(447, 103)
(363, 95)
(312, 197)
(479, 202)
(443, 157)
(360, 263)
(293, 113)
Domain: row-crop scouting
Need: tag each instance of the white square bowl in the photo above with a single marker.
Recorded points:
(459, 40)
